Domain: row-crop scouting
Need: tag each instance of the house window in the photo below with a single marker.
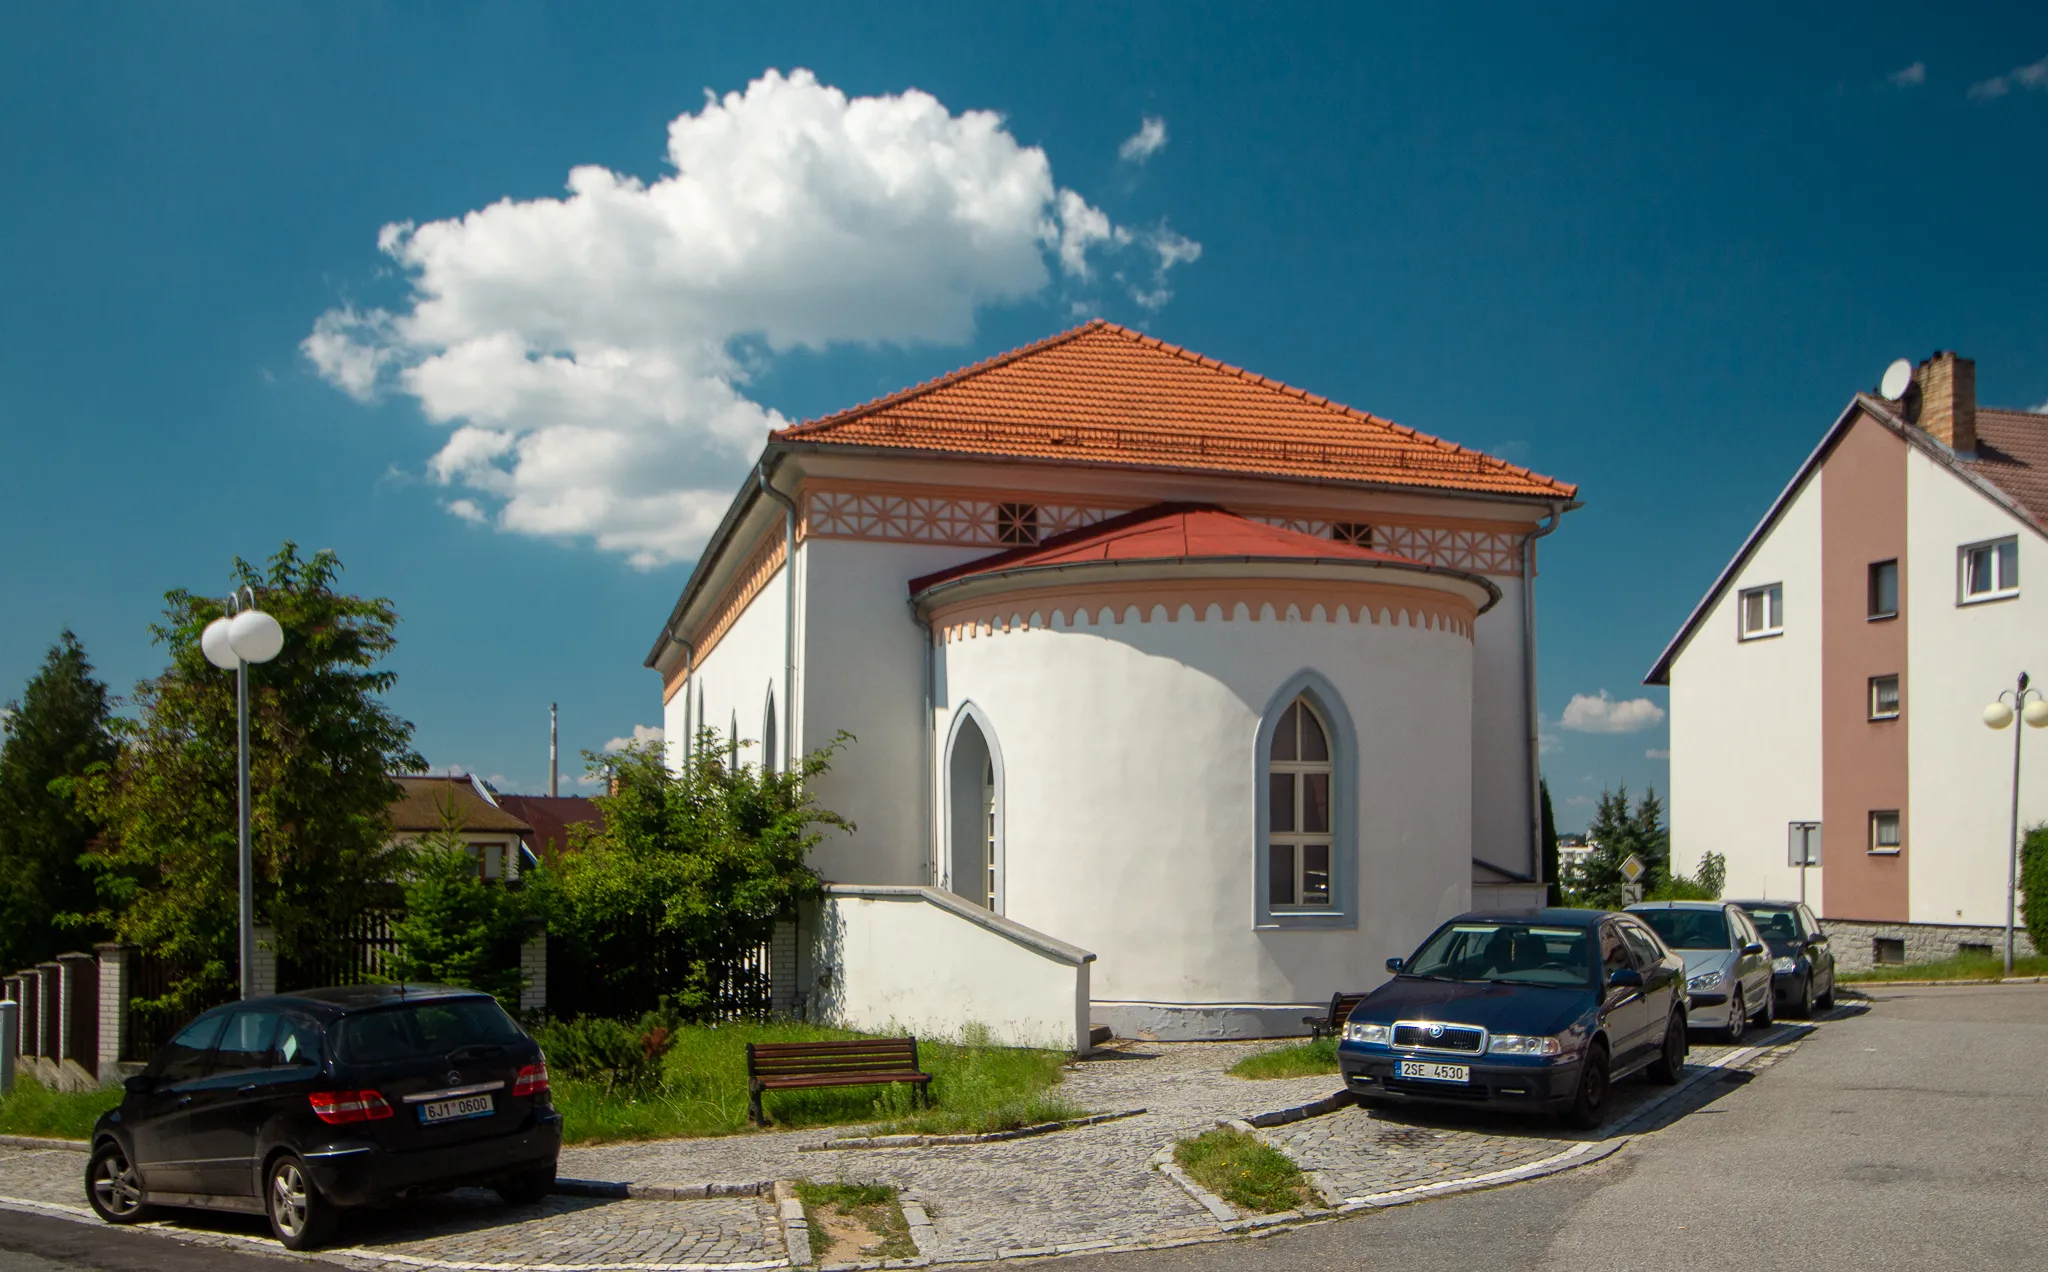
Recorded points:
(1990, 571)
(1884, 589)
(1884, 830)
(490, 860)
(1017, 523)
(1763, 611)
(1888, 949)
(1355, 533)
(769, 753)
(1300, 842)
(1884, 697)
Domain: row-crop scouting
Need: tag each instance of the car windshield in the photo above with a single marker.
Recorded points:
(1777, 923)
(1689, 929)
(417, 1030)
(1515, 953)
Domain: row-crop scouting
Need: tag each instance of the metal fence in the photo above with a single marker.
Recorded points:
(360, 953)
(149, 1028)
(584, 983)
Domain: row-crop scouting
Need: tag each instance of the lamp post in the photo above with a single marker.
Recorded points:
(2029, 706)
(245, 635)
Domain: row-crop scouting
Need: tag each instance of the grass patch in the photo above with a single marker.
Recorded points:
(1244, 1171)
(703, 1091)
(34, 1109)
(858, 1222)
(1962, 967)
(1302, 1060)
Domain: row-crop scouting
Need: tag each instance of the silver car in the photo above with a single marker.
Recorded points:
(1727, 967)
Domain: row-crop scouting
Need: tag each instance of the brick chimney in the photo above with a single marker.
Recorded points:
(1948, 400)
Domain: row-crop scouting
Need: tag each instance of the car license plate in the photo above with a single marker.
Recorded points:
(1430, 1071)
(455, 1110)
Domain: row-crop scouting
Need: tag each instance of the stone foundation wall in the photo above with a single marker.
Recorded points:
(1854, 941)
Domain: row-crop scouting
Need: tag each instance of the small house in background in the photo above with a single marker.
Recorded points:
(550, 817)
(497, 838)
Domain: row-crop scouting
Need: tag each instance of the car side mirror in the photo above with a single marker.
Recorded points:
(1395, 965)
(140, 1084)
(1624, 978)
(1754, 947)
(1818, 938)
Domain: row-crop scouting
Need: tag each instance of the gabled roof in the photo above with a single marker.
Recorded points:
(2009, 467)
(1105, 394)
(550, 817)
(418, 807)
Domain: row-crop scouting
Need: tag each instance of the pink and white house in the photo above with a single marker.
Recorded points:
(1837, 672)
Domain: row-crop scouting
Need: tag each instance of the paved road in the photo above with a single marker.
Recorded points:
(1912, 1137)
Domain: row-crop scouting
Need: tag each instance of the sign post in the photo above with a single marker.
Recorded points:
(1632, 879)
(1802, 849)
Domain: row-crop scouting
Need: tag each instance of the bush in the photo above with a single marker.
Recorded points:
(623, 1059)
(2034, 884)
(1705, 886)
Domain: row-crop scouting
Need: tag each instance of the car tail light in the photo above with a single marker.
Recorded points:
(532, 1080)
(337, 1108)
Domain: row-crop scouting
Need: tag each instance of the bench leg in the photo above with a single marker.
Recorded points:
(754, 1107)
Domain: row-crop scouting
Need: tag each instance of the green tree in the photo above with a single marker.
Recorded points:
(51, 737)
(1619, 832)
(2034, 885)
(322, 748)
(458, 928)
(1555, 894)
(1650, 838)
(689, 872)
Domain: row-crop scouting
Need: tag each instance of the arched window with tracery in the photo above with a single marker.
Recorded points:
(1301, 843)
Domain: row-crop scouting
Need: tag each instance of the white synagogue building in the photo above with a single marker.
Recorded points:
(1182, 698)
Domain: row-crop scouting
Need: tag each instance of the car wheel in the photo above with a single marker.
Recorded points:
(300, 1216)
(528, 1188)
(1589, 1102)
(1826, 1002)
(113, 1187)
(1738, 1016)
(1669, 1065)
(1767, 1014)
(1806, 998)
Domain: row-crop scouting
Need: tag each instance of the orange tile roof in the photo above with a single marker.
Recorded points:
(1105, 394)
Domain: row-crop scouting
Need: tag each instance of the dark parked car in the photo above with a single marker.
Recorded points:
(1530, 1009)
(300, 1105)
(1727, 968)
(1802, 965)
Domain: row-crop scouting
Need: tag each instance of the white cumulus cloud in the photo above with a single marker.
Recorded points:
(643, 735)
(590, 354)
(2033, 75)
(1909, 76)
(1599, 713)
(1141, 145)
(1657, 753)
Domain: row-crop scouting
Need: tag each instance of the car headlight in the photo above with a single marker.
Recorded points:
(1380, 1034)
(1705, 980)
(1784, 964)
(1524, 1045)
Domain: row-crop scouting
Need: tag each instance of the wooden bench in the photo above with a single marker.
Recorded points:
(1332, 1023)
(786, 1066)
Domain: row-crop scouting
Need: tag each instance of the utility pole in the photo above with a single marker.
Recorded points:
(554, 766)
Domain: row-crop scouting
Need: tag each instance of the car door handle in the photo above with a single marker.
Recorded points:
(246, 1090)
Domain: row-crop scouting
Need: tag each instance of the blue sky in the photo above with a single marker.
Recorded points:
(1652, 254)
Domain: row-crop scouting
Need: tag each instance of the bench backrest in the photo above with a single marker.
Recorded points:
(806, 1059)
(1341, 1005)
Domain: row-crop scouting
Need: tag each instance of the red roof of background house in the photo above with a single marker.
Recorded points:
(1105, 394)
(551, 816)
(1167, 532)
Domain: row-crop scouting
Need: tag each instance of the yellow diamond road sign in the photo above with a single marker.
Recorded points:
(1633, 868)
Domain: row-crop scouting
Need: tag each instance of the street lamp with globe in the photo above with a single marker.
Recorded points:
(2029, 706)
(244, 635)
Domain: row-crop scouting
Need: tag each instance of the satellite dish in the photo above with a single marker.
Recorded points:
(1898, 377)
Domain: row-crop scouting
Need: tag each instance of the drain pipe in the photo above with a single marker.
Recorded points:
(689, 674)
(789, 612)
(1529, 685)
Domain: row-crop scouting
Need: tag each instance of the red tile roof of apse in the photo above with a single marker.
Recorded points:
(1105, 394)
(1168, 532)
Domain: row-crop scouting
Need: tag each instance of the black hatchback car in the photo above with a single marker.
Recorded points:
(299, 1105)
(1529, 1009)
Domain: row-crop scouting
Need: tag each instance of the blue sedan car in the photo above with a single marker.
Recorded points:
(1532, 1009)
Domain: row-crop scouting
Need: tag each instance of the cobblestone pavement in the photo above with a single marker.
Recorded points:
(1082, 1188)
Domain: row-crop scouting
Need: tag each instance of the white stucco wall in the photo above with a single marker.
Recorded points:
(1129, 764)
(1746, 719)
(912, 960)
(736, 675)
(1500, 736)
(1960, 657)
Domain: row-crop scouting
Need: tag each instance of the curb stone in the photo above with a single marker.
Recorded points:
(37, 1141)
(1162, 1161)
(923, 1236)
(987, 1137)
(796, 1227)
(1858, 987)
(658, 1192)
(1314, 1108)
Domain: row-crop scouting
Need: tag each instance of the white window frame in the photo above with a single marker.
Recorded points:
(1297, 841)
(1338, 731)
(1872, 613)
(1774, 608)
(2005, 582)
(1898, 822)
(1898, 698)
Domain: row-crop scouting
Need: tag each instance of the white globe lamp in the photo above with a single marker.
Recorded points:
(255, 636)
(1998, 715)
(213, 642)
(2035, 713)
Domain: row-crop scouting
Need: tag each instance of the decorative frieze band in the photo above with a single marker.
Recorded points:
(1207, 600)
(1460, 548)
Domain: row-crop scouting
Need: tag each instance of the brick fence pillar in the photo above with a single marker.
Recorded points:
(263, 977)
(10, 1038)
(782, 969)
(49, 1001)
(29, 997)
(533, 967)
(117, 963)
(78, 1011)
